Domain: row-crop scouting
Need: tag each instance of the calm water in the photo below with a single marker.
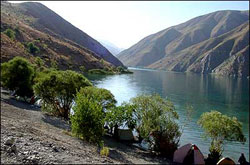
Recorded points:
(204, 92)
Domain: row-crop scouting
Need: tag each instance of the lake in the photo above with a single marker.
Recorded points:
(228, 95)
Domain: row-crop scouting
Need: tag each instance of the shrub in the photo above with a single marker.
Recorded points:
(87, 120)
(155, 118)
(82, 68)
(39, 64)
(53, 64)
(33, 49)
(104, 151)
(10, 33)
(121, 69)
(120, 116)
(99, 71)
(57, 90)
(102, 96)
(17, 74)
(220, 128)
(102, 61)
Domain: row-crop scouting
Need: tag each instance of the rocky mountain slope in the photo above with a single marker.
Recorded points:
(56, 38)
(217, 42)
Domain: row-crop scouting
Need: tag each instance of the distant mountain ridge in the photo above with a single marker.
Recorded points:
(111, 47)
(41, 18)
(197, 46)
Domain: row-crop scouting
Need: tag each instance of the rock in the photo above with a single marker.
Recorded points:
(10, 141)
(13, 148)
(55, 149)
(32, 157)
(35, 152)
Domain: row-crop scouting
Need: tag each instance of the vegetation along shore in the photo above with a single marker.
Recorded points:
(90, 115)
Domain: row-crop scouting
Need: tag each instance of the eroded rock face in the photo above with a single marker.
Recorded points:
(212, 43)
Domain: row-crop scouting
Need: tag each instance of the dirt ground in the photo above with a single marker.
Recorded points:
(30, 136)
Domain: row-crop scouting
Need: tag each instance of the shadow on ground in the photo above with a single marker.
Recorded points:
(57, 122)
(20, 104)
(127, 147)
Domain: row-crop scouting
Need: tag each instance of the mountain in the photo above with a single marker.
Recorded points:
(111, 47)
(213, 43)
(56, 38)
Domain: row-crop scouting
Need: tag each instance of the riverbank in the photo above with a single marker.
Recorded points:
(41, 139)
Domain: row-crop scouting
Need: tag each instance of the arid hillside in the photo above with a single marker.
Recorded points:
(216, 42)
(54, 47)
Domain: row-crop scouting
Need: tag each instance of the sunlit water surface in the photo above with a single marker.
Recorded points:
(230, 96)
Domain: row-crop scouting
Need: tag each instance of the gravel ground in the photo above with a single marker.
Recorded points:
(30, 136)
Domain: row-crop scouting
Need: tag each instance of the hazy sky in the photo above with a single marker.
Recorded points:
(125, 23)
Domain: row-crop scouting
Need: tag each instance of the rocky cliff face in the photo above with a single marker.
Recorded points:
(41, 19)
(207, 44)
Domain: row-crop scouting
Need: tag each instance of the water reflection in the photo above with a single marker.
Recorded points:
(204, 92)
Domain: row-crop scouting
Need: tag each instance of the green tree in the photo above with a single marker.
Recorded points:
(120, 116)
(156, 123)
(103, 96)
(39, 64)
(102, 61)
(33, 49)
(87, 120)
(220, 128)
(57, 90)
(10, 33)
(17, 75)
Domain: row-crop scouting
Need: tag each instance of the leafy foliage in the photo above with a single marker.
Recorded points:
(121, 69)
(17, 74)
(82, 68)
(39, 64)
(155, 118)
(53, 64)
(33, 49)
(10, 33)
(99, 71)
(58, 88)
(220, 128)
(104, 151)
(121, 116)
(103, 96)
(87, 120)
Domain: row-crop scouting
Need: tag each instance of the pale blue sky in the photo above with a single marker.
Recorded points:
(125, 23)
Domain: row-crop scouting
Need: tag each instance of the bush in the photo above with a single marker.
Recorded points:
(33, 49)
(104, 151)
(155, 118)
(82, 68)
(53, 64)
(99, 71)
(17, 74)
(57, 90)
(39, 64)
(87, 120)
(102, 96)
(120, 116)
(10, 33)
(220, 128)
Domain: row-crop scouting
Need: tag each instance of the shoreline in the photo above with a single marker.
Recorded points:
(42, 139)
